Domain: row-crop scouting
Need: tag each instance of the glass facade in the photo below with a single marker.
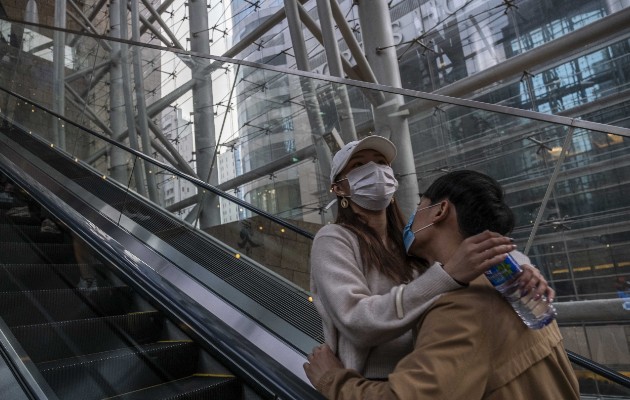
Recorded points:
(523, 99)
(441, 45)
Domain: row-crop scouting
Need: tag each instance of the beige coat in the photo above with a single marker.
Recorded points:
(470, 345)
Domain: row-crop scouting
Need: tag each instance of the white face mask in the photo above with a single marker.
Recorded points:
(372, 186)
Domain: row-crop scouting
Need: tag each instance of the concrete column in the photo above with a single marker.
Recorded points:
(313, 111)
(335, 68)
(118, 162)
(613, 6)
(143, 119)
(138, 164)
(59, 48)
(205, 140)
(378, 44)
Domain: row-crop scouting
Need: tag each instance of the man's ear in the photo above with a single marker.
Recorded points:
(442, 211)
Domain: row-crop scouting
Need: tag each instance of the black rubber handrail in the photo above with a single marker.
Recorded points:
(599, 369)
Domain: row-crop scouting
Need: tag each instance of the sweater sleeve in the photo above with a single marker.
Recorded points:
(365, 318)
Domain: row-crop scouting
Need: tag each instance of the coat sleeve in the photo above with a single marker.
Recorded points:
(450, 360)
(366, 318)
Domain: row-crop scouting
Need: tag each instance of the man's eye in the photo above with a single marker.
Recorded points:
(357, 164)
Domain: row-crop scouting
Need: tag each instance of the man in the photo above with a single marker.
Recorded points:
(470, 344)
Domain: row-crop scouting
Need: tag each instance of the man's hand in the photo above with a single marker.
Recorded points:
(320, 361)
(476, 254)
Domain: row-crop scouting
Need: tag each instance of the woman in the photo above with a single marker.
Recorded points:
(368, 291)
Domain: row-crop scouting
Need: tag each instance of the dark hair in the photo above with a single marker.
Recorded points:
(478, 199)
(393, 263)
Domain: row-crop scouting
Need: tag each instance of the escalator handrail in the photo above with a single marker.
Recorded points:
(165, 166)
(599, 369)
(26, 376)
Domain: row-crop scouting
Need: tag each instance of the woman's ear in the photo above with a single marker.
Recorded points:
(336, 190)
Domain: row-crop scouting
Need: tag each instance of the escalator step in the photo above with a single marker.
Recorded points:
(28, 233)
(7, 200)
(197, 387)
(112, 373)
(17, 277)
(19, 219)
(41, 306)
(26, 253)
(47, 342)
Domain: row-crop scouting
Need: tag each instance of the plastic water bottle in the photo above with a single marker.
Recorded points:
(535, 313)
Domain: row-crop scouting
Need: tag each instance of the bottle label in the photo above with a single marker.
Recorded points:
(503, 272)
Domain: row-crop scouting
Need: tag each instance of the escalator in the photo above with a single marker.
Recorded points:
(83, 316)
(97, 342)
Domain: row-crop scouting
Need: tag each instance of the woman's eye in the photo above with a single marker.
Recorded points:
(357, 164)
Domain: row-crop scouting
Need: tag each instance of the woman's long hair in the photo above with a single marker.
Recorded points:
(391, 261)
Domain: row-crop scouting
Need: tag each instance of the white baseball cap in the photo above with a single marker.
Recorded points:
(378, 143)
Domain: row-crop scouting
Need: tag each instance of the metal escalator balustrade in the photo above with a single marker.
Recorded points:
(127, 209)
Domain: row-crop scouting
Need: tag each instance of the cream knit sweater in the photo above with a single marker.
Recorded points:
(362, 323)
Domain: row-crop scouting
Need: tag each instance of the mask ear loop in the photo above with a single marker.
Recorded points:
(422, 209)
(423, 228)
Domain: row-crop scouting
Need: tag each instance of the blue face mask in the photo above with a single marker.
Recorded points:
(408, 235)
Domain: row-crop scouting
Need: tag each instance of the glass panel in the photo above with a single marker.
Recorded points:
(268, 127)
(267, 130)
(603, 344)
